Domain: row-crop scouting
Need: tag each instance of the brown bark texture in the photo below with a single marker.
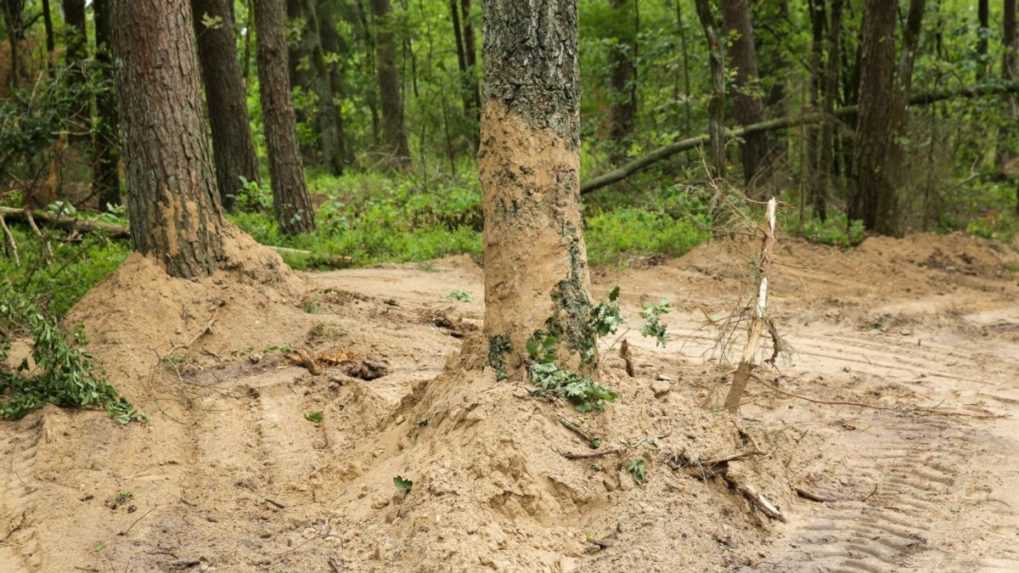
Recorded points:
(716, 105)
(106, 146)
(291, 203)
(232, 143)
(394, 133)
(174, 204)
(623, 75)
(747, 106)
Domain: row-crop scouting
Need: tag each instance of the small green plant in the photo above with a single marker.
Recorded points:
(836, 231)
(653, 326)
(403, 485)
(68, 377)
(605, 317)
(460, 295)
(314, 417)
(637, 469)
(585, 394)
(123, 497)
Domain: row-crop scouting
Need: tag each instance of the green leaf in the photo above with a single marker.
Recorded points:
(403, 485)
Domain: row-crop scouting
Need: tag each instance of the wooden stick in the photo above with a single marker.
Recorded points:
(10, 245)
(758, 320)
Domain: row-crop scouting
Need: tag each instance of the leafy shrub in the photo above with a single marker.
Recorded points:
(634, 231)
(835, 231)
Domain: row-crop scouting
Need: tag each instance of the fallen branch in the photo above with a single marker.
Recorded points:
(809, 495)
(121, 232)
(667, 151)
(589, 455)
(756, 499)
(580, 432)
(10, 246)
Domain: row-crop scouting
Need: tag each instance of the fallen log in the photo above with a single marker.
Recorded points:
(641, 163)
(121, 232)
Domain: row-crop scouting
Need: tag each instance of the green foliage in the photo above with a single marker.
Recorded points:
(315, 417)
(65, 376)
(605, 316)
(653, 326)
(611, 235)
(637, 469)
(403, 485)
(460, 296)
(836, 231)
(585, 394)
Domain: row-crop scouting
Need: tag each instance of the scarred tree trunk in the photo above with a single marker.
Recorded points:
(536, 274)
(623, 76)
(875, 119)
(747, 105)
(716, 105)
(394, 134)
(173, 204)
(291, 203)
(232, 144)
(106, 147)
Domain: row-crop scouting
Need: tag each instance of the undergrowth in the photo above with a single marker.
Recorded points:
(64, 375)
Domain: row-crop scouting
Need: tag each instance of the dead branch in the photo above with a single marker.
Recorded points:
(10, 246)
(587, 437)
(589, 455)
(624, 353)
(758, 319)
(757, 500)
(35, 230)
(809, 495)
(641, 163)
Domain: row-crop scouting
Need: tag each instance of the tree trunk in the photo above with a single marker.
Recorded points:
(684, 48)
(106, 181)
(232, 143)
(536, 274)
(826, 163)
(816, 177)
(623, 72)
(874, 186)
(334, 50)
(471, 53)
(47, 21)
(1010, 71)
(173, 204)
(716, 106)
(747, 106)
(983, 33)
(76, 42)
(394, 133)
(13, 11)
(291, 202)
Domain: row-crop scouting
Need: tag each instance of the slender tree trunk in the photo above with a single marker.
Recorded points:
(684, 47)
(291, 202)
(249, 31)
(1009, 71)
(76, 43)
(983, 33)
(334, 52)
(536, 274)
(747, 106)
(831, 87)
(394, 132)
(232, 143)
(13, 12)
(47, 21)
(716, 106)
(173, 204)
(471, 53)
(461, 58)
(622, 62)
(106, 181)
(816, 178)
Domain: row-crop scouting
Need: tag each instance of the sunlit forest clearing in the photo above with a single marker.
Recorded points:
(509, 285)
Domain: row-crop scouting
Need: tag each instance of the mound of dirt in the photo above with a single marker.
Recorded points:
(252, 463)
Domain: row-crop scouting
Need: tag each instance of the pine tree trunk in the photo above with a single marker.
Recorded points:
(623, 77)
(394, 133)
(334, 50)
(106, 180)
(76, 43)
(983, 33)
(173, 204)
(826, 165)
(232, 144)
(747, 106)
(1010, 71)
(816, 175)
(47, 21)
(716, 105)
(876, 117)
(291, 202)
(471, 53)
(536, 274)
(13, 12)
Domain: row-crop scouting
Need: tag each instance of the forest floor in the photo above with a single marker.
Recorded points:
(897, 411)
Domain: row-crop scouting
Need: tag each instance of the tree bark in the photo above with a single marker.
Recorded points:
(716, 105)
(334, 50)
(394, 133)
(76, 43)
(747, 106)
(983, 33)
(826, 159)
(623, 72)
(173, 205)
(47, 21)
(106, 146)
(1010, 71)
(874, 186)
(232, 143)
(13, 11)
(816, 177)
(291, 202)
(471, 54)
(536, 274)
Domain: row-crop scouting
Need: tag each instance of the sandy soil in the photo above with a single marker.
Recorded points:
(895, 412)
